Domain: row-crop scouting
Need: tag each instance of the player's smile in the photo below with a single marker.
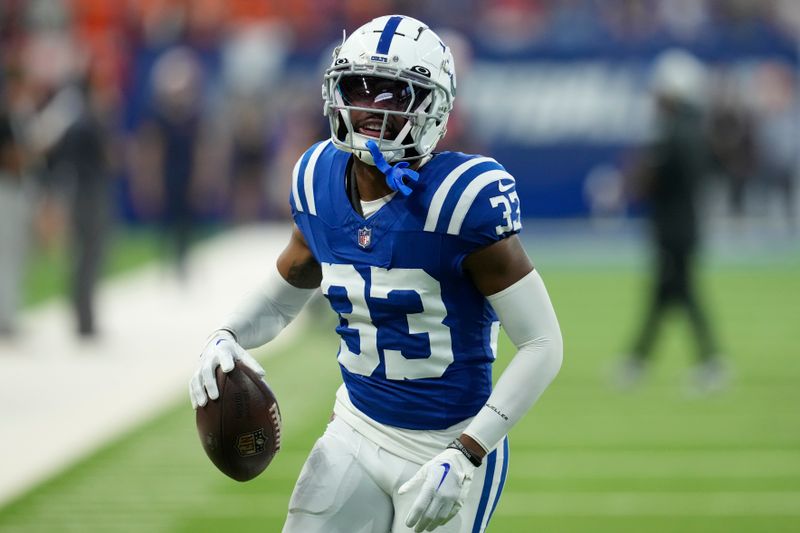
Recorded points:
(372, 127)
(370, 124)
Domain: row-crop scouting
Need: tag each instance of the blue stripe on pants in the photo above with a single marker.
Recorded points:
(503, 473)
(487, 488)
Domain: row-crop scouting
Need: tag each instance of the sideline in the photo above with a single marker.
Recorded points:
(63, 398)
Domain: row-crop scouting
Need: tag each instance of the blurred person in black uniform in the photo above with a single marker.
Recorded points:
(80, 159)
(668, 179)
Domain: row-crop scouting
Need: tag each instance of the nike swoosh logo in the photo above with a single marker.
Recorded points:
(504, 188)
(446, 467)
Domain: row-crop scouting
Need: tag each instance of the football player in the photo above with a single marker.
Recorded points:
(417, 253)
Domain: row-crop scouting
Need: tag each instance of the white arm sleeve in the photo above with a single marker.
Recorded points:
(267, 311)
(528, 317)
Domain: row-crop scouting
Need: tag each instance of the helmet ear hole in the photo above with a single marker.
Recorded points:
(410, 152)
(341, 130)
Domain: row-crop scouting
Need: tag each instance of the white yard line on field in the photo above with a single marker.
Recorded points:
(675, 504)
(61, 398)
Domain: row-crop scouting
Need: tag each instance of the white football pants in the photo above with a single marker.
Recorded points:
(349, 485)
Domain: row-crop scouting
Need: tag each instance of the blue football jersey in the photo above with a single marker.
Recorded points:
(417, 338)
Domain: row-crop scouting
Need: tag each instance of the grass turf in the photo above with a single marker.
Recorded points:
(587, 458)
(49, 270)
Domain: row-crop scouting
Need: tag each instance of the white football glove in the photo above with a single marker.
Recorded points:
(221, 350)
(442, 484)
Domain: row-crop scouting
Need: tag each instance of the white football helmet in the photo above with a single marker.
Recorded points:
(392, 81)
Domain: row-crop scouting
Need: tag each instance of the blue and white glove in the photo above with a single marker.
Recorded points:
(221, 350)
(442, 485)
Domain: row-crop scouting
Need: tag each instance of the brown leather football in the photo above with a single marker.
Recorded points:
(241, 430)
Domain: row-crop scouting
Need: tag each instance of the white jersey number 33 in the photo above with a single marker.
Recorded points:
(383, 283)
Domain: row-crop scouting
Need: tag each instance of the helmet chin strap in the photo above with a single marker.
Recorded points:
(398, 177)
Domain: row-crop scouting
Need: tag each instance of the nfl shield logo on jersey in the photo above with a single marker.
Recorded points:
(364, 237)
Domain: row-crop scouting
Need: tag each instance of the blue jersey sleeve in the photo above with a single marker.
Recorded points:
(302, 197)
(488, 210)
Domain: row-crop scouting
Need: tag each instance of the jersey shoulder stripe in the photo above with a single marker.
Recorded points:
(303, 178)
(469, 195)
(308, 178)
(435, 209)
(295, 189)
(457, 172)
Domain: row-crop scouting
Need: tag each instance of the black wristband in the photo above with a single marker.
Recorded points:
(458, 445)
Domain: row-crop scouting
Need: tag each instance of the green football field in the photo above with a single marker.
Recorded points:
(587, 458)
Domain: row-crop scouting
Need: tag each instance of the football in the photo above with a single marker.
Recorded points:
(241, 430)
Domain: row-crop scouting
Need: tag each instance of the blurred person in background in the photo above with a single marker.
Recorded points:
(248, 158)
(776, 135)
(733, 147)
(80, 159)
(15, 221)
(169, 147)
(252, 59)
(45, 105)
(67, 135)
(668, 178)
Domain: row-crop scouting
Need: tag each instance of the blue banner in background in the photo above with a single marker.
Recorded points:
(553, 118)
